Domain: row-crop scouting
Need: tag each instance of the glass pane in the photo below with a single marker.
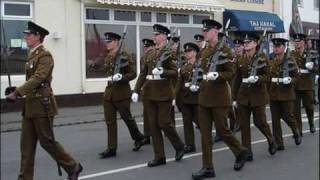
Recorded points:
(125, 15)
(146, 17)
(95, 52)
(16, 9)
(180, 18)
(161, 17)
(13, 48)
(197, 19)
(100, 14)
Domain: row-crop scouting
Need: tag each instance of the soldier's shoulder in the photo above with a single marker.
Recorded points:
(43, 51)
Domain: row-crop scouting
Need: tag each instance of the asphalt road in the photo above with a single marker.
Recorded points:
(85, 140)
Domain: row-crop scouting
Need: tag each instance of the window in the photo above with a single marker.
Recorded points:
(197, 19)
(97, 14)
(300, 3)
(316, 4)
(180, 18)
(146, 16)
(14, 18)
(95, 51)
(124, 15)
(161, 17)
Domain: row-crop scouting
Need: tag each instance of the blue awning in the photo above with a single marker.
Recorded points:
(253, 21)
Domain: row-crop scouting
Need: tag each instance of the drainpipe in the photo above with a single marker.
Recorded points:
(82, 46)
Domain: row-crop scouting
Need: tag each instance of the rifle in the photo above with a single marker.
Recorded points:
(196, 71)
(178, 53)
(119, 58)
(166, 52)
(214, 60)
(255, 63)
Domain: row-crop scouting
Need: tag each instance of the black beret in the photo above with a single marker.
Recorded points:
(210, 23)
(35, 29)
(110, 36)
(279, 41)
(158, 28)
(175, 39)
(299, 36)
(147, 42)
(238, 41)
(191, 46)
(251, 36)
(198, 37)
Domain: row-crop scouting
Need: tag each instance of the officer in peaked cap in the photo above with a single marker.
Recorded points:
(304, 86)
(147, 42)
(279, 41)
(40, 107)
(199, 39)
(191, 46)
(111, 36)
(251, 37)
(210, 23)
(158, 28)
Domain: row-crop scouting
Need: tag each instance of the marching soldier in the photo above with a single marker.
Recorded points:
(304, 87)
(282, 94)
(117, 95)
(215, 100)
(157, 76)
(39, 108)
(250, 92)
(188, 87)
(199, 39)
(148, 46)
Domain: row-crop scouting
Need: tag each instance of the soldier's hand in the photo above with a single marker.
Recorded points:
(173, 102)
(12, 97)
(157, 71)
(253, 79)
(234, 104)
(117, 77)
(134, 97)
(194, 88)
(309, 65)
(287, 80)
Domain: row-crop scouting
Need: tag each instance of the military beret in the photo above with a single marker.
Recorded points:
(210, 23)
(110, 36)
(175, 39)
(198, 37)
(279, 41)
(147, 42)
(251, 37)
(34, 28)
(238, 41)
(191, 46)
(299, 36)
(158, 28)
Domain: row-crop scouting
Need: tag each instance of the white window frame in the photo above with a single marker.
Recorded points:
(3, 16)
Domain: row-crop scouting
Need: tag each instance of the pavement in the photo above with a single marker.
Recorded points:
(82, 132)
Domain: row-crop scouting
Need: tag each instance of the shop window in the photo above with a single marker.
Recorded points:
(316, 4)
(97, 14)
(124, 15)
(161, 17)
(180, 18)
(197, 19)
(146, 16)
(14, 18)
(95, 51)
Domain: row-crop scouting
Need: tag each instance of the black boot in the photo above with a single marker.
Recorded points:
(203, 173)
(241, 160)
(146, 140)
(280, 148)
(108, 153)
(189, 149)
(137, 145)
(249, 156)
(312, 128)
(217, 138)
(297, 139)
(158, 162)
(75, 174)
(179, 154)
(272, 148)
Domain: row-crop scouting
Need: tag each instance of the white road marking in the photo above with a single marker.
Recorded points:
(137, 166)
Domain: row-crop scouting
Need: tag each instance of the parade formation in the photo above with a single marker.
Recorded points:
(210, 82)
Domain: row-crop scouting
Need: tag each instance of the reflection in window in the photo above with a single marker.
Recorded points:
(146, 17)
(13, 47)
(197, 19)
(161, 17)
(95, 51)
(17, 9)
(124, 15)
(99, 14)
(180, 18)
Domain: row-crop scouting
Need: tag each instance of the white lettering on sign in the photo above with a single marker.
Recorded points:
(261, 25)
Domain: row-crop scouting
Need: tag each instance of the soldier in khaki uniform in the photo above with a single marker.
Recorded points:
(282, 95)
(304, 86)
(117, 95)
(148, 46)
(187, 86)
(40, 108)
(215, 100)
(250, 93)
(158, 91)
(199, 40)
